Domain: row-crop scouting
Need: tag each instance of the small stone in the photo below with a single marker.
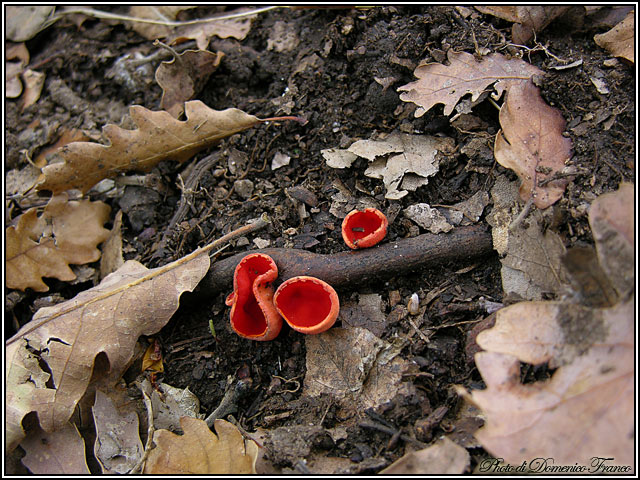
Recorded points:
(244, 188)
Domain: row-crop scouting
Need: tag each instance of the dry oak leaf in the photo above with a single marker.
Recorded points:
(531, 144)
(612, 218)
(158, 137)
(106, 319)
(222, 27)
(619, 41)
(443, 457)
(55, 453)
(447, 84)
(160, 13)
(528, 19)
(67, 232)
(200, 451)
(182, 78)
(585, 409)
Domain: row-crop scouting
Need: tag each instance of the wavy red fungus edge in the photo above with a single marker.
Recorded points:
(364, 228)
(253, 314)
(309, 305)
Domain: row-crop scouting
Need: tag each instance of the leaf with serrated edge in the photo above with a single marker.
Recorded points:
(158, 137)
(108, 318)
(532, 145)
(447, 84)
(200, 451)
(66, 232)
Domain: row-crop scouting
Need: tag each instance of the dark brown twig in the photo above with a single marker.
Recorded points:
(349, 269)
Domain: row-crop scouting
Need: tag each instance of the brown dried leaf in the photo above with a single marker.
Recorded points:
(67, 337)
(66, 232)
(359, 369)
(587, 406)
(182, 78)
(237, 28)
(112, 258)
(442, 458)
(159, 137)
(200, 451)
(67, 136)
(152, 31)
(55, 453)
(612, 218)
(531, 144)
(619, 41)
(33, 83)
(444, 84)
(528, 19)
(118, 447)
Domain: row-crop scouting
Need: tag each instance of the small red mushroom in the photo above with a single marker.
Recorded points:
(364, 228)
(253, 314)
(308, 304)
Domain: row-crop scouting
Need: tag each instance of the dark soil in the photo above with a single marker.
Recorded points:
(345, 49)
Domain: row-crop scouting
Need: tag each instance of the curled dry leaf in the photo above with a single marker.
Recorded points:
(619, 41)
(67, 232)
(158, 137)
(447, 84)
(50, 360)
(531, 144)
(528, 19)
(182, 78)
(200, 451)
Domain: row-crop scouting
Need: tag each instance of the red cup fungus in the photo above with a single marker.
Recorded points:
(308, 304)
(364, 228)
(253, 314)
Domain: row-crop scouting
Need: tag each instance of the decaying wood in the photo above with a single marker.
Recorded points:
(349, 269)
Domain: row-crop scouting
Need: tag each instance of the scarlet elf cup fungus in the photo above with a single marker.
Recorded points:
(308, 304)
(364, 228)
(253, 314)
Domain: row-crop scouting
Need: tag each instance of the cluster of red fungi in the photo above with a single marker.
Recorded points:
(308, 304)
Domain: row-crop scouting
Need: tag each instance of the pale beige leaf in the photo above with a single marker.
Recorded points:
(25, 21)
(55, 453)
(182, 78)
(158, 137)
(34, 81)
(588, 404)
(200, 451)
(619, 41)
(442, 458)
(447, 84)
(13, 85)
(67, 232)
(612, 218)
(67, 337)
(118, 447)
(531, 144)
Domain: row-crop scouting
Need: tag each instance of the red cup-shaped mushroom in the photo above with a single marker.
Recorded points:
(308, 304)
(364, 228)
(253, 314)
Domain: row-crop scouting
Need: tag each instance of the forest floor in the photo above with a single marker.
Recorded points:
(339, 69)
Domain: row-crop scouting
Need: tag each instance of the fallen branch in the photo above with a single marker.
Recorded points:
(349, 269)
